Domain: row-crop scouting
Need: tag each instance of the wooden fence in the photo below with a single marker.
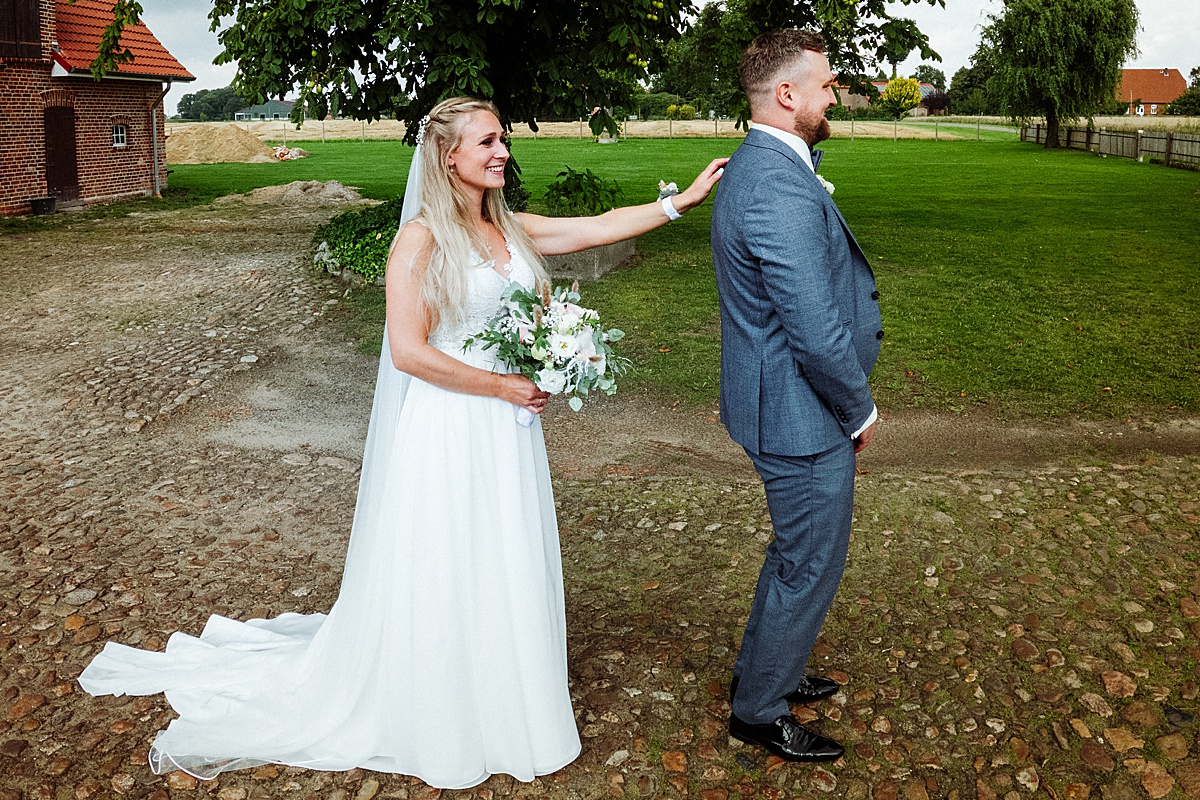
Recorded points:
(1172, 149)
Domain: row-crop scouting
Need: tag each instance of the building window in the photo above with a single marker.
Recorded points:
(120, 135)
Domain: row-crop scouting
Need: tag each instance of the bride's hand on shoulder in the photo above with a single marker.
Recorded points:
(520, 391)
(700, 189)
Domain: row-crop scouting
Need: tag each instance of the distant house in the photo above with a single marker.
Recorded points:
(1147, 92)
(67, 136)
(272, 109)
(857, 102)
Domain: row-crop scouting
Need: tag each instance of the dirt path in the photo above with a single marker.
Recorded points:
(181, 432)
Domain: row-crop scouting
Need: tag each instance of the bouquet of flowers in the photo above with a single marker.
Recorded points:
(554, 342)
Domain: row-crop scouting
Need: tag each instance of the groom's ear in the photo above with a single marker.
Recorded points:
(785, 95)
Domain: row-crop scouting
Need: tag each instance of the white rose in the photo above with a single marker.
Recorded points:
(562, 345)
(552, 381)
(539, 352)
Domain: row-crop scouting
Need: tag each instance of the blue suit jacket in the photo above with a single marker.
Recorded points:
(800, 324)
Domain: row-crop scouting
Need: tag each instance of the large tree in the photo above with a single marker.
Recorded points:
(1061, 59)
(535, 58)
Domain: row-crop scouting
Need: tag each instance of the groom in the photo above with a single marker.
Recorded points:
(800, 331)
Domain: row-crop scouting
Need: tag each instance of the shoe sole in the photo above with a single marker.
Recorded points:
(800, 701)
(784, 754)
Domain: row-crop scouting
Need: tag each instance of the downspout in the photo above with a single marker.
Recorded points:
(154, 137)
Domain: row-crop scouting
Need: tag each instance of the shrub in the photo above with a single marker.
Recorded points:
(937, 102)
(900, 95)
(580, 194)
(358, 240)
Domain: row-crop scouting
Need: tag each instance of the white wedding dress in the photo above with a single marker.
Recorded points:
(444, 656)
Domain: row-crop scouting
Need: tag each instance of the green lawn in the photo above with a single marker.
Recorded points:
(1030, 281)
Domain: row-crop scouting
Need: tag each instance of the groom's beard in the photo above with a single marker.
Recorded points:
(811, 129)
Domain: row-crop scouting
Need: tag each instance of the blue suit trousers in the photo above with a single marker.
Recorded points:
(811, 500)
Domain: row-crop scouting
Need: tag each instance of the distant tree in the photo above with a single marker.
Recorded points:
(928, 74)
(654, 105)
(1188, 103)
(208, 105)
(1061, 59)
(900, 37)
(972, 89)
(703, 62)
(900, 95)
(937, 103)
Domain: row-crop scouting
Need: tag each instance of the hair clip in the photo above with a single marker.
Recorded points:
(421, 130)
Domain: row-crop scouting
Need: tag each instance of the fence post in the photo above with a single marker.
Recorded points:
(1138, 146)
(895, 125)
(1167, 151)
(935, 130)
(1037, 134)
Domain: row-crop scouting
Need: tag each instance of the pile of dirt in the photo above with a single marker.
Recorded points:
(307, 193)
(212, 144)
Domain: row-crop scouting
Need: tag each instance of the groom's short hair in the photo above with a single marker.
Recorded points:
(772, 52)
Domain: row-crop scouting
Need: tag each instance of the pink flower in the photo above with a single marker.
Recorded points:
(525, 334)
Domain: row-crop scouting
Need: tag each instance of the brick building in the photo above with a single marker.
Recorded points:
(66, 135)
(1148, 92)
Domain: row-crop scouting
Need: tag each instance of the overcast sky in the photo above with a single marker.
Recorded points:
(1170, 36)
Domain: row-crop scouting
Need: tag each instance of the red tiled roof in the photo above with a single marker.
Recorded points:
(80, 26)
(1159, 86)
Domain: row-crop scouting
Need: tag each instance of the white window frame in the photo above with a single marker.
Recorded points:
(120, 135)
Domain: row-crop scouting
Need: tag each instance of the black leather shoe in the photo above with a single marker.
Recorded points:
(811, 689)
(787, 738)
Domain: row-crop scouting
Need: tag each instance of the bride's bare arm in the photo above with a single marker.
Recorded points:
(408, 332)
(556, 235)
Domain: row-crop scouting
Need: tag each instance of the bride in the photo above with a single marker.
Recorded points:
(444, 656)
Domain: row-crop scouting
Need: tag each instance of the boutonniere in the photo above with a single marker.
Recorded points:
(828, 186)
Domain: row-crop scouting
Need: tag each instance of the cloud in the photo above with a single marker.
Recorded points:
(182, 27)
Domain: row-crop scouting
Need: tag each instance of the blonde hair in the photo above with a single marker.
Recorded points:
(445, 210)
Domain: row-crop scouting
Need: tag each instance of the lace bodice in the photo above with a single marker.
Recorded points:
(483, 300)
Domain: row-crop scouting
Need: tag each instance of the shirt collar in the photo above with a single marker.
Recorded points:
(790, 139)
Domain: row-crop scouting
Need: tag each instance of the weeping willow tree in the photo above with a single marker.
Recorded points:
(1061, 59)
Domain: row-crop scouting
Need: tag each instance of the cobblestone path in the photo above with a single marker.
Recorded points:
(179, 436)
